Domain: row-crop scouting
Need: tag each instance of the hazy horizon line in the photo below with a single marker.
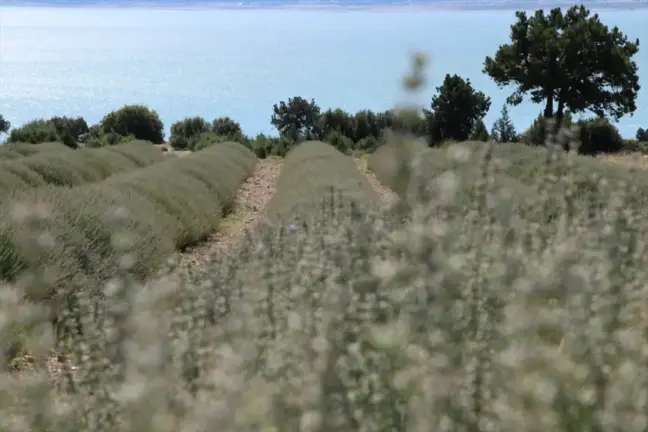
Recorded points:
(370, 5)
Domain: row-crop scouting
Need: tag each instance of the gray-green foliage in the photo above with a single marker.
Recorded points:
(52, 166)
(312, 170)
(67, 246)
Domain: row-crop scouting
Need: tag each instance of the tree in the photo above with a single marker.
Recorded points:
(70, 129)
(5, 125)
(541, 130)
(479, 132)
(64, 129)
(297, 118)
(455, 110)
(503, 129)
(182, 131)
(642, 135)
(365, 125)
(571, 60)
(225, 126)
(137, 120)
(409, 120)
(336, 120)
(385, 120)
(340, 141)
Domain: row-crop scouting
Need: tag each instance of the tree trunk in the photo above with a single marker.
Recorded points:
(560, 113)
(548, 111)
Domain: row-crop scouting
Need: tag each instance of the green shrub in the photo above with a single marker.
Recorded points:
(96, 137)
(264, 146)
(136, 120)
(54, 129)
(642, 135)
(107, 139)
(368, 145)
(629, 145)
(598, 135)
(225, 126)
(205, 139)
(183, 131)
(34, 132)
(537, 134)
(642, 147)
(339, 141)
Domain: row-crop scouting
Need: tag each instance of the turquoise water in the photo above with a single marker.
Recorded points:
(214, 63)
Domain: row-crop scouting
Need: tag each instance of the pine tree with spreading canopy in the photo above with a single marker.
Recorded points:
(570, 61)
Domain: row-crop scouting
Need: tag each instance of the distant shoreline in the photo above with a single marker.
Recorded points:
(369, 7)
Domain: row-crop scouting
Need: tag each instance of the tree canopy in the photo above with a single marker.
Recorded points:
(569, 59)
(298, 117)
(503, 130)
(226, 126)
(137, 120)
(642, 135)
(455, 110)
(5, 125)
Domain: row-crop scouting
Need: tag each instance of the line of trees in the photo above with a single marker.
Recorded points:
(567, 60)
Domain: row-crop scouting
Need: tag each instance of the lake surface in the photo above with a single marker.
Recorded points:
(87, 62)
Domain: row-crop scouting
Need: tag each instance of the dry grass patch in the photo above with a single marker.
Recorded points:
(632, 160)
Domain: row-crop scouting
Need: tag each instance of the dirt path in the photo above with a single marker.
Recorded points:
(251, 201)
